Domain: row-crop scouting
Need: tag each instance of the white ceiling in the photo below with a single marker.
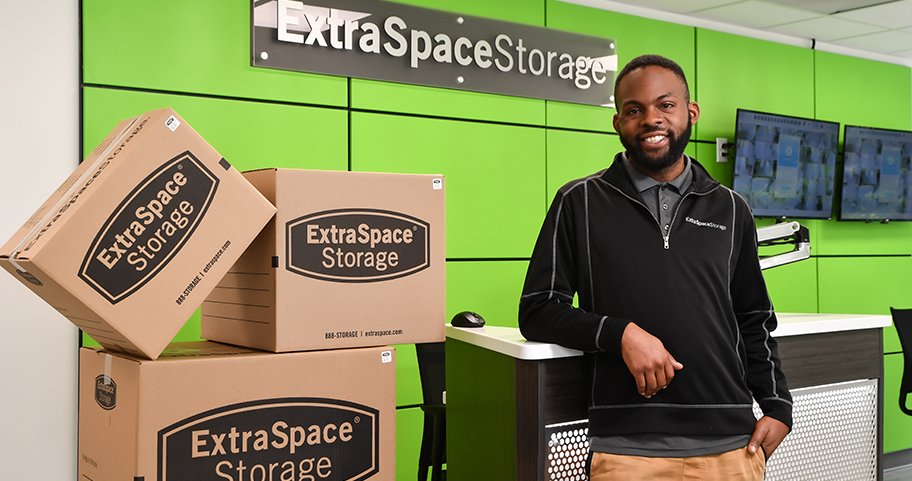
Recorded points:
(876, 29)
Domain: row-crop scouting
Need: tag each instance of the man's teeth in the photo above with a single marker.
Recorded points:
(654, 139)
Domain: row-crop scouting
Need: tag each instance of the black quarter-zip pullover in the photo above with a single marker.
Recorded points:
(697, 287)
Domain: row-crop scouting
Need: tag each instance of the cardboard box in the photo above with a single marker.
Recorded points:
(351, 259)
(205, 411)
(132, 242)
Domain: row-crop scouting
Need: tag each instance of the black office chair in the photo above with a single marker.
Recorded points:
(432, 369)
(902, 320)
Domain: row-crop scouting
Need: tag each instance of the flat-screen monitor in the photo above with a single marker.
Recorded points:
(785, 166)
(876, 175)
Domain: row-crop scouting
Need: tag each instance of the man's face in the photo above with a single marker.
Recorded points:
(654, 118)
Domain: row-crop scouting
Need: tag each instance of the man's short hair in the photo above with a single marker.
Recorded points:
(648, 61)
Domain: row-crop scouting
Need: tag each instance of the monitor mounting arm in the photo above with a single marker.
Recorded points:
(784, 233)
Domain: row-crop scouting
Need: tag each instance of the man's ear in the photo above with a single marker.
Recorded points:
(615, 123)
(694, 110)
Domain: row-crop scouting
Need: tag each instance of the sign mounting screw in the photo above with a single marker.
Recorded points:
(264, 55)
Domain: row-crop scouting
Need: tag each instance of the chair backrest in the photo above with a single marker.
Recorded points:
(432, 370)
(902, 320)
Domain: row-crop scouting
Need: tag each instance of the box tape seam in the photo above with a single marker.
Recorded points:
(107, 369)
(13, 255)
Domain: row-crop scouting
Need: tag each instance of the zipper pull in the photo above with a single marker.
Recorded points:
(666, 241)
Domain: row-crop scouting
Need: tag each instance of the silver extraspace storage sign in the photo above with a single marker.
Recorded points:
(378, 40)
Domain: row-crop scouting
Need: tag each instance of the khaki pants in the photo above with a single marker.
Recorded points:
(737, 465)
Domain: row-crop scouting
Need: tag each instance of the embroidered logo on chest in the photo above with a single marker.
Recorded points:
(701, 223)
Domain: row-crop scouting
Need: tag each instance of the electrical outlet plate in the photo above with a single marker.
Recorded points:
(721, 151)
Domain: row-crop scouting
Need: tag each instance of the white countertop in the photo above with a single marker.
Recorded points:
(798, 324)
(509, 341)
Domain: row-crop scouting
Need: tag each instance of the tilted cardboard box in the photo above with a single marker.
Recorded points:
(351, 259)
(208, 411)
(132, 242)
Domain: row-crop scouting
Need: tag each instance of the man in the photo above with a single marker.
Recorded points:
(673, 314)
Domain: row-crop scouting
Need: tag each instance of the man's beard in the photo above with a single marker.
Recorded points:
(676, 146)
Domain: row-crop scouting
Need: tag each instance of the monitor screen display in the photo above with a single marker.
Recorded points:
(785, 166)
(876, 175)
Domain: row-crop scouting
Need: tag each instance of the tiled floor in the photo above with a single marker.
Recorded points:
(898, 474)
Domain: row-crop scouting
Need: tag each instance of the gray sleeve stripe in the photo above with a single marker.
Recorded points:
(598, 333)
(786, 401)
(670, 405)
(731, 250)
(560, 208)
(769, 354)
(589, 256)
(557, 218)
(551, 293)
(731, 273)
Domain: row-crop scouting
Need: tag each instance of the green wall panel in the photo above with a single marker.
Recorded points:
(866, 285)
(495, 176)
(793, 287)
(573, 155)
(897, 425)
(250, 135)
(408, 379)
(490, 288)
(438, 102)
(737, 72)
(860, 238)
(409, 426)
(857, 91)
(578, 116)
(635, 36)
(201, 47)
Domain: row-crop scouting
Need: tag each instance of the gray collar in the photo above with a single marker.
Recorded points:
(642, 182)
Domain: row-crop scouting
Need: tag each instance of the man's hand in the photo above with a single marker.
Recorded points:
(768, 432)
(651, 365)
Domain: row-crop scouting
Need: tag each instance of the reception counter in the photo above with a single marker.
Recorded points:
(516, 409)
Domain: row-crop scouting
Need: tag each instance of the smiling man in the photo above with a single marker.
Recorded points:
(673, 313)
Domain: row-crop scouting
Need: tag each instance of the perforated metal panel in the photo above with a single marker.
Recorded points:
(834, 434)
(568, 446)
(833, 438)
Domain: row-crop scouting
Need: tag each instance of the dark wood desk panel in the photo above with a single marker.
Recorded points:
(816, 359)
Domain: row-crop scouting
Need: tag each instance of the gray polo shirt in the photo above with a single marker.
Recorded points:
(661, 198)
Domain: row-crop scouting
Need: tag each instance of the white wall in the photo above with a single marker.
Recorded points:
(39, 130)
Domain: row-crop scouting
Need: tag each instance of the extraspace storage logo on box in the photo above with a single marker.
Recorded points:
(357, 245)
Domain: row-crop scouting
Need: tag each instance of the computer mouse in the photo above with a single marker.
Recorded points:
(467, 319)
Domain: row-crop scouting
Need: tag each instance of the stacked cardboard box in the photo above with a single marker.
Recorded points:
(147, 227)
(132, 242)
(351, 259)
(208, 411)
